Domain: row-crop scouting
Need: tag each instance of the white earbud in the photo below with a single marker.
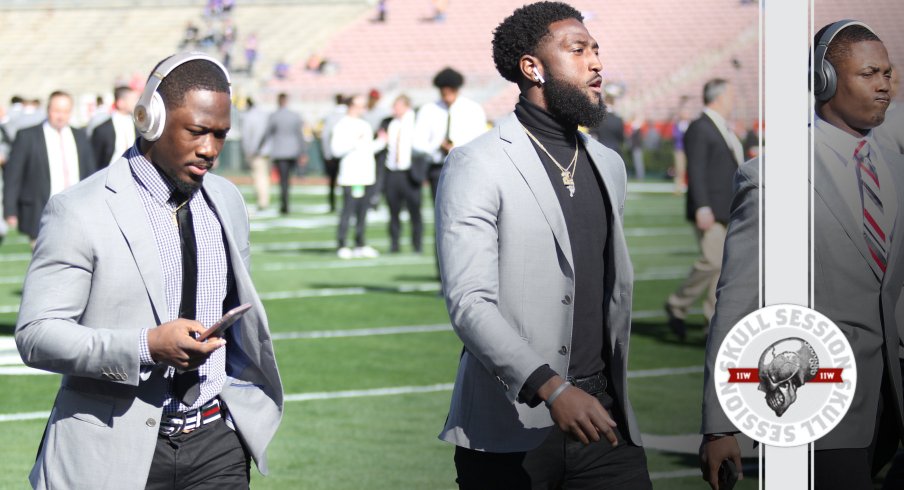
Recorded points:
(537, 76)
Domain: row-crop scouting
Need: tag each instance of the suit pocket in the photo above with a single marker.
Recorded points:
(87, 408)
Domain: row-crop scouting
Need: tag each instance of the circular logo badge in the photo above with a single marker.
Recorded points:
(785, 375)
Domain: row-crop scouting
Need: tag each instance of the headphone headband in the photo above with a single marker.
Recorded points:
(825, 79)
(149, 115)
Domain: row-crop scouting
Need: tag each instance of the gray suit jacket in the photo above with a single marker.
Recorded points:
(845, 290)
(507, 269)
(284, 135)
(95, 281)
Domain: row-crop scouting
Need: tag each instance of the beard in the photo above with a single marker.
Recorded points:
(571, 105)
(179, 185)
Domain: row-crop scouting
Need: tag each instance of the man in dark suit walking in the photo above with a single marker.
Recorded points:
(44, 160)
(713, 156)
(117, 134)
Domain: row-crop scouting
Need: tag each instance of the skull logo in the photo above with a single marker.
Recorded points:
(784, 367)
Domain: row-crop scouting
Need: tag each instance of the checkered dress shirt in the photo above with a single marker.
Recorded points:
(155, 192)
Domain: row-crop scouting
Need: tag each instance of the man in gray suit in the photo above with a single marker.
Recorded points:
(287, 146)
(855, 283)
(537, 277)
(108, 303)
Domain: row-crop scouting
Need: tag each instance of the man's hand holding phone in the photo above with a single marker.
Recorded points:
(185, 344)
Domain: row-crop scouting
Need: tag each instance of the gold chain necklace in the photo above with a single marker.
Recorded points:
(567, 172)
(176, 211)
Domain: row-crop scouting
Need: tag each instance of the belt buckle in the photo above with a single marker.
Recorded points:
(176, 429)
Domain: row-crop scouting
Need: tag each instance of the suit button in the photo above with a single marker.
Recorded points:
(563, 350)
(566, 300)
(150, 422)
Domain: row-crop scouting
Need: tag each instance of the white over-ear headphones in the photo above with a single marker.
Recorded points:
(149, 115)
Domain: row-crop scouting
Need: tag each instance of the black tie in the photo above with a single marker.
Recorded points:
(186, 385)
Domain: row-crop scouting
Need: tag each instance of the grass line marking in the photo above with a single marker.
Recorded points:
(394, 390)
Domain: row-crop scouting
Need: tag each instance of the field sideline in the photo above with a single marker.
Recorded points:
(367, 354)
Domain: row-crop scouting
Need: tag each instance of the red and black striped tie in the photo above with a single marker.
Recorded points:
(874, 232)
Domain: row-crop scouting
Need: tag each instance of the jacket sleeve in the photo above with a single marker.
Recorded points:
(697, 147)
(14, 174)
(55, 294)
(737, 290)
(467, 209)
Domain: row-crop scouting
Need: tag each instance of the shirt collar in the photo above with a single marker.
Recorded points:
(716, 117)
(147, 176)
(842, 143)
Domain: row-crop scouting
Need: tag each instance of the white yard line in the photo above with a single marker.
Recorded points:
(392, 390)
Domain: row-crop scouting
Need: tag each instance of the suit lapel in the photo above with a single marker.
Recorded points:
(831, 196)
(244, 286)
(126, 206)
(521, 151)
(895, 269)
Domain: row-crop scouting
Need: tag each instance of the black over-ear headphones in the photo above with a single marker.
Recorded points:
(149, 115)
(825, 80)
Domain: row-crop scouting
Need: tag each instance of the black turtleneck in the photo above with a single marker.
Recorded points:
(587, 219)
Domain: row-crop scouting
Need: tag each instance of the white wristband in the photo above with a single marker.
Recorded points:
(555, 394)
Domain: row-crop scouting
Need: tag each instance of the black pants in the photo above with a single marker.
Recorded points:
(285, 167)
(401, 190)
(210, 457)
(353, 206)
(853, 469)
(332, 172)
(560, 462)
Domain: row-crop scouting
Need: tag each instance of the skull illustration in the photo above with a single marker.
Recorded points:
(784, 367)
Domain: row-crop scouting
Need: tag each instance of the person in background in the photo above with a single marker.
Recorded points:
(117, 134)
(287, 146)
(402, 189)
(256, 148)
(44, 160)
(352, 141)
(330, 162)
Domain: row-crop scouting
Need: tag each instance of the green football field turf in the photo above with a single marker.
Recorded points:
(346, 331)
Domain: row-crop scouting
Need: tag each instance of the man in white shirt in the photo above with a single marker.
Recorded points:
(402, 189)
(452, 121)
(44, 160)
(117, 134)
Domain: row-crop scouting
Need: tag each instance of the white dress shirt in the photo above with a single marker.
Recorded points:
(468, 121)
(62, 156)
(124, 131)
(400, 136)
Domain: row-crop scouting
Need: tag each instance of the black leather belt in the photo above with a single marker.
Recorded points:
(592, 385)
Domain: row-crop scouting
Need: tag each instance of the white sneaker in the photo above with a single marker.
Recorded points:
(366, 252)
(345, 253)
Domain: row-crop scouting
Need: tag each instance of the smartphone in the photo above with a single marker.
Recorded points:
(728, 475)
(223, 323)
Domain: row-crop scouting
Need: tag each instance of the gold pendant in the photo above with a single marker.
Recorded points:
(568, 180)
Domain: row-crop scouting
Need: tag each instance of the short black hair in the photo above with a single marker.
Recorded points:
(448, 77)
(840, 47)
(522, 32)
(189, 76)
(58, 93)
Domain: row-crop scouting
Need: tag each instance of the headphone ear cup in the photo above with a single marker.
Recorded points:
(156, 118)
(829, 82)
